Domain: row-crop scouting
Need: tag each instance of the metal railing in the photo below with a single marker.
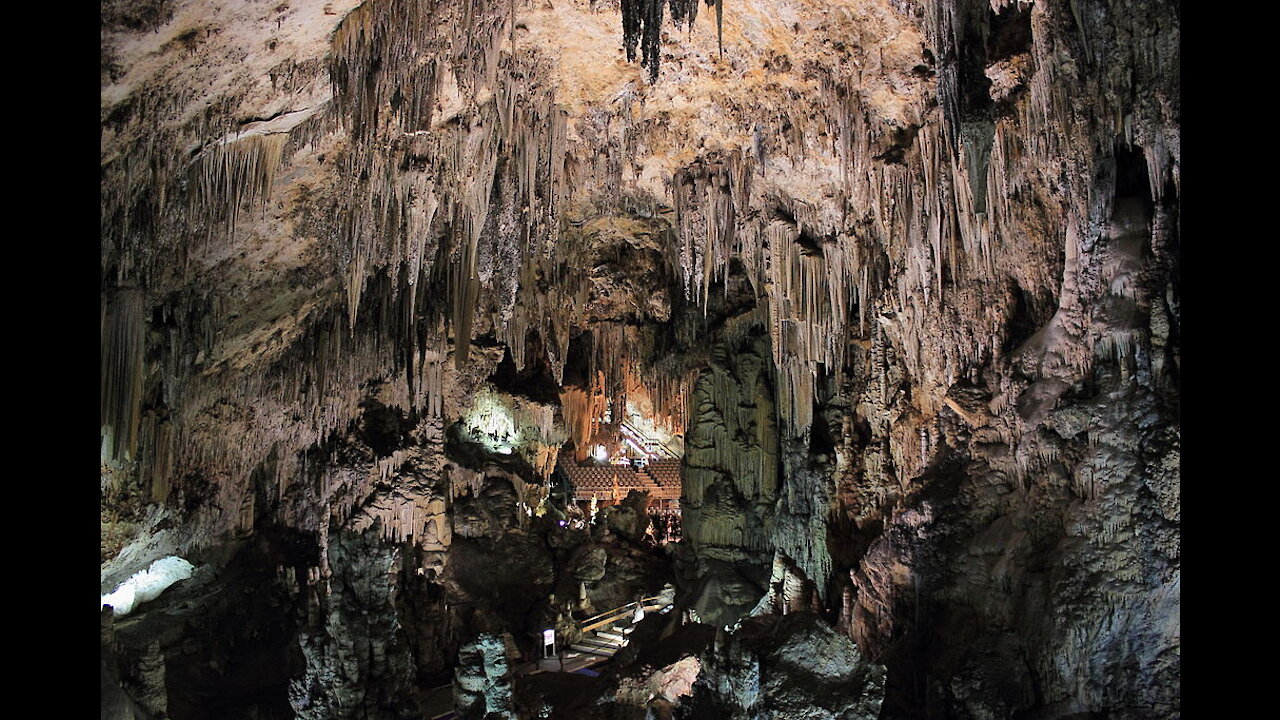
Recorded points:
(609, 617)
(647, 441)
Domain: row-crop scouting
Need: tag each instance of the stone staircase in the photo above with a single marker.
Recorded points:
(605, 634)
(602, 643)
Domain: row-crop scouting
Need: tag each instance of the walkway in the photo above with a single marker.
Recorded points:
(604, 635)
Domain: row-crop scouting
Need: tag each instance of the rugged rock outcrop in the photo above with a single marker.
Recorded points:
(792, 666)
(483, 687)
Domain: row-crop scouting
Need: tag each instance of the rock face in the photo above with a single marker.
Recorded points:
(482, 689)
(903, 274)
(792, 666)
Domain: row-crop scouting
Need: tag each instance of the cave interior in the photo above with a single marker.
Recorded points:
(608, 359)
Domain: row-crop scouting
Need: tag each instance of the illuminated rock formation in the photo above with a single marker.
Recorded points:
(905, 275)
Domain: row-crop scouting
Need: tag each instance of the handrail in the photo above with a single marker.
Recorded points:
(609, 620)
(617, 612)
(621, 608)
(635, 431)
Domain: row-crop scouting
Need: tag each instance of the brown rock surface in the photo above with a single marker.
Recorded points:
(907, 271)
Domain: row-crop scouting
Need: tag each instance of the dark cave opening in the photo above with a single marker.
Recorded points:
(809, 244)
(224, 643)
(385, 429)
(534, 381)
(900, 141)
(1027, 316)
(822, 442)
(577, 361)
(972, 83)
(1009, 33)
(1132, 180)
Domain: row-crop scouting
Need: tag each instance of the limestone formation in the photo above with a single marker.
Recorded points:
(899, 279)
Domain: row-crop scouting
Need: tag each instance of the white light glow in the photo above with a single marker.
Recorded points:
(491, 423)
(600, 453)
(147, 584)
(498, 424)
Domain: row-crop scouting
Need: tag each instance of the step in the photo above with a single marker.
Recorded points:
(615, 637)
(595, 642)
(593, 650)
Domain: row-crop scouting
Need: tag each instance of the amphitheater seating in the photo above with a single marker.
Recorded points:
(661, 478)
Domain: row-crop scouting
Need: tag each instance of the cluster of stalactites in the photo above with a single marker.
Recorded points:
(611, 362)
(389, 59)
(642, 25)
(668, 397)
(438, 183)
(419, 185)
(708, 195)
(235, 173)
(684, 11)
(582, 409)
(619, 368)
(811, 297)
(943, 214)
(408, 517)
(232, 423)
(123, 334)
(812, 278)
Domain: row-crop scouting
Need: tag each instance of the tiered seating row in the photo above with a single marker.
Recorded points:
(661, 478)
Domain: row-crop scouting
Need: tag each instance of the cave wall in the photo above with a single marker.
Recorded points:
(908, 270)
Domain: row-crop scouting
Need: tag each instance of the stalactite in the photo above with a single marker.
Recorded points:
(236, 172)
(720, 26)
(685, 11)
(582, 412)
(642, 25)
(922, 254)
(123, 334)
